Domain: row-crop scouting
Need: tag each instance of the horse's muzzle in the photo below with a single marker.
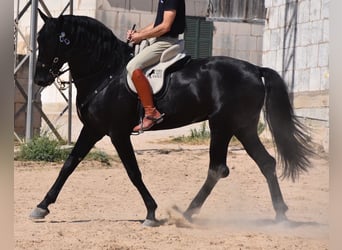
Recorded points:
(43, 78)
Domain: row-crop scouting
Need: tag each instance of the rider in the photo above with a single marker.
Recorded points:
(169, 23)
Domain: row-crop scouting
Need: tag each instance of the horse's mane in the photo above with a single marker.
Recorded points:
(95, 38)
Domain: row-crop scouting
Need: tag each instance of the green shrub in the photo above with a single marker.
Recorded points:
(201, 134)
(45, 149)
(197, 136)
(99, 156)
(41, 149)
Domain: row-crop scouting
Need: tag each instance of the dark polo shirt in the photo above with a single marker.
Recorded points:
(178, 25)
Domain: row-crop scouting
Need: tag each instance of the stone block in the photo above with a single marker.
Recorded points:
(222, 28)
(310, 99)
(315, 10)
(85, 12)
(200, 8)
(323, 55)
(324, 78)
(255, 57)
(221, 40)
(316, 31)
(244, 43)
(279, 60)
(103, 5)
(257, 29)
(275, 39)
(146, 19)
(312, 56)
(326, 29)
(325, 9)
(266, 41)
(85, 5)
(281, 16)
(269, 59)
(314, 113)
(240, 28)
(303, 12)
(55, 5)
(273, 17)
(141, 5)
(259, 44)
(114, 21)
(315, 79)
(301, 58)
(243, 55)
(268, 3)
(105, 17)
(302, 80)
(304, 34)
(196, 8)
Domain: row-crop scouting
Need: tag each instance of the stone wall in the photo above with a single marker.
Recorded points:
(239, 40)
(296, 44)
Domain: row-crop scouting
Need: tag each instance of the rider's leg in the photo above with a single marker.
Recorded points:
(147, 57)
(152, 115)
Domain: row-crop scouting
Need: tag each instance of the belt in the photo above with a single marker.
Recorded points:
(172, 36)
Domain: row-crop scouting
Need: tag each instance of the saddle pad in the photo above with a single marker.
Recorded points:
(155, 75)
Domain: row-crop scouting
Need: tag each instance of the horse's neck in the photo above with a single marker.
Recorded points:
(89, 59)
(88, 76)
(83, 65)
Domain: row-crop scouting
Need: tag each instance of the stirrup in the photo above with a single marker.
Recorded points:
(154, 122)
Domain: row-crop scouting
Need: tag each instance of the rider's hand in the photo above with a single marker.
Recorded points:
(129, 34)
(135, 37)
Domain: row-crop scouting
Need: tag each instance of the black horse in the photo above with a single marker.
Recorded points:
(227, 92)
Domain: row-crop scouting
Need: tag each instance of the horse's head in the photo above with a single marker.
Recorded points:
(52, 44)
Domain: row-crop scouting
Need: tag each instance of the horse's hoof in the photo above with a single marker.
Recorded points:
(281, 217)
(151, 223)
(39, 213)
(189, 213)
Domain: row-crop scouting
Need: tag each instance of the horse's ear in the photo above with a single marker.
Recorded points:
(42, 15)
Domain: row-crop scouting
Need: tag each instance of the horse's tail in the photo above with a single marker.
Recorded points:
(293, 144)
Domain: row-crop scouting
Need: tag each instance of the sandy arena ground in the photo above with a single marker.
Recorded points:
(99, 208)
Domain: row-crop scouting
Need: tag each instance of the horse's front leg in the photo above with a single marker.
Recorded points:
(125, 151)
(85, 142)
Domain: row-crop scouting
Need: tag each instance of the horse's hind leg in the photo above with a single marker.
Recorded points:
(217, 169)
(250, 140)
(85, 142)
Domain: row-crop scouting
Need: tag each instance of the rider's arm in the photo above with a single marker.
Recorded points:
(157, 31)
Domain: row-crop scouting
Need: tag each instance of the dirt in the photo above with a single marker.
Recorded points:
(99, 208)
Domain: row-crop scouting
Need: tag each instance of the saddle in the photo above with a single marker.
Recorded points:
(156, 74)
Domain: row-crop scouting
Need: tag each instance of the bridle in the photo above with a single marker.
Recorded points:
(54, 70)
